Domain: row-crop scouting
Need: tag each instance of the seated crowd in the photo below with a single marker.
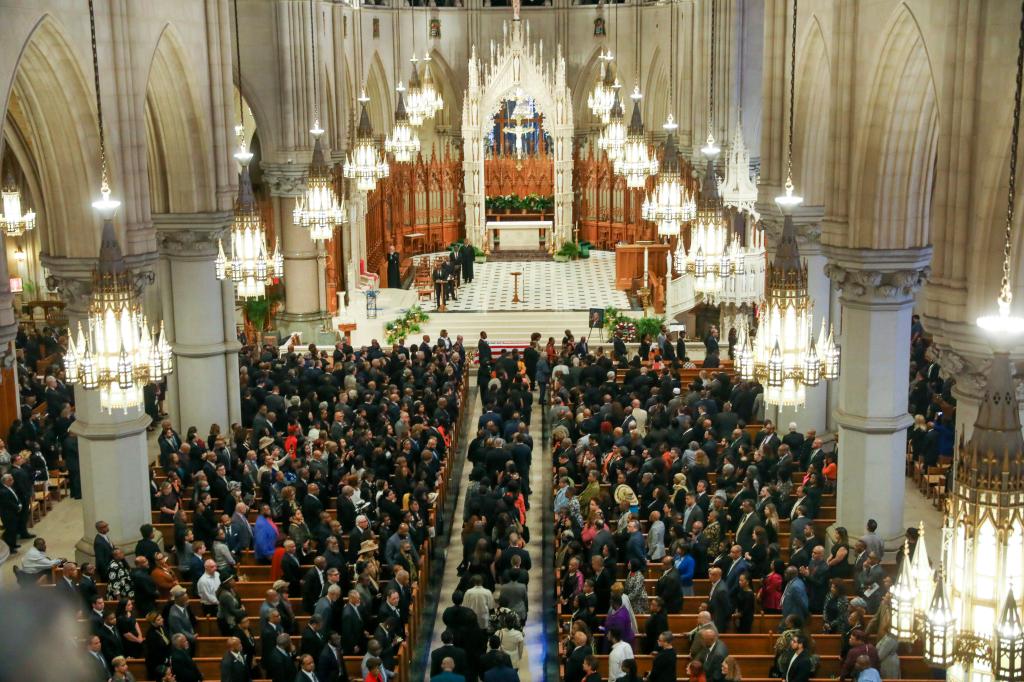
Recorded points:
(292, 540)
(679, 524)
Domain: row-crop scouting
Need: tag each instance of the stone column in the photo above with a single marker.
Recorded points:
(112, 448)
(304, 310)
(807, 220)
(877, 289)
(203, 388)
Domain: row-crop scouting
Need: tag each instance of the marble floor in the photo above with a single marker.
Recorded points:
(531, 666)
(543, 285)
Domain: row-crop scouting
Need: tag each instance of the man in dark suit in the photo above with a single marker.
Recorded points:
(182, 665)
(313, 639)
(668, 588)
(313, 584)
(279, 663)
(619, 347)
(467, 255)
(25, 488)
(483, 349)
(103, 548)
(291, 569)
(311, 504)
(800, 665)
(146, 546)
(353, 630)
(448, 650)
(663, 667)
(389, 635)
(241, 529)
(98, 668)
(10, 511)
(657, 623)
(715, 652)
(394, 268)
(719, 603)
(331, 666)
(346, 509)
(574, 664)
(145, 587)
(232, 665)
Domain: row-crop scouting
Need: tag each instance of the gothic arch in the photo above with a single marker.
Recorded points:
(60, 133)
(811, 117)
(516, 64)
(445, 79)
(655, 90)
(891, 194)
(382, 96)
(178, 140)
(581, 91)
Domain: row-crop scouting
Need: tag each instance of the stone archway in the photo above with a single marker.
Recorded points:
(517, 64)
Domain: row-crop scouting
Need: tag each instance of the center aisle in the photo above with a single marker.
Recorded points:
(531, 666)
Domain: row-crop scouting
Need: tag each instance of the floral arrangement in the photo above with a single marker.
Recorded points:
(405, 326)
(531, 203)
(632, 329)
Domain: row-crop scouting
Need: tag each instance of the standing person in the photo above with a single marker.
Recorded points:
(394, 268)
(438, 276)
(467, 254)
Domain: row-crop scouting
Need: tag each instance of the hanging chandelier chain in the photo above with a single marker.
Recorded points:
(1005, 293)
(238, 61)
(639, 38)
(671, 57)
(105, 183)
(312, 41)
(792, 95)
(711, 86)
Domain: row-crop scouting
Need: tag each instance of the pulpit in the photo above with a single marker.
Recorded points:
(642, 265)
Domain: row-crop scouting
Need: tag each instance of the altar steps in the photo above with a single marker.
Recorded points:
(530, 256)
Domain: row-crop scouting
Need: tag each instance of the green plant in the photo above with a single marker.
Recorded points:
(649, 326)
(405, 326)
(30, 287)
(612, 317)
(477, 251)
(258, 311)
(569, 250)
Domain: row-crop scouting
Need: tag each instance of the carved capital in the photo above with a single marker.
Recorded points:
(878, 275)
(880, 285)
(192, 236)
(284, 179)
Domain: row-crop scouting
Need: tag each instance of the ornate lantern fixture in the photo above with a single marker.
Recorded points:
(320, 209)
(432, 100)
(670, 204)
(250, 267)
(738, 189)
(602, 97)
(636, 163)
(710, 262)
(613, 138)
(416, 106)
(13, 221)
(117, 353)
(366, 165)
(403, 142)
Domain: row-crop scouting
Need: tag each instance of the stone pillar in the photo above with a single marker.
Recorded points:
(198, 321)
(304, 308)
(877, 289)
(807, 220)
(112, 448)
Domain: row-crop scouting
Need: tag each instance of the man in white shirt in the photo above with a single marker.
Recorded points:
(36, 561)
(620, 651)
(307, 672)
(480, 600)
(206, 587)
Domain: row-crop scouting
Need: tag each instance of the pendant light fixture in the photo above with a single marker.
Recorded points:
(13, 222)
(670, 204)
(250, 268)
(784, 356)
(612, 139)
(637, 163)
(319, 210)
(403, 143)
(366, 165)
(117, 353)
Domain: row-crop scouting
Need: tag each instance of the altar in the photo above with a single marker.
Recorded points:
(518, 235)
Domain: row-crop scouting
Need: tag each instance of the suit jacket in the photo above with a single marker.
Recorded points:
(670, 591)
(291, 571)
(657, 623)
(745, 531)
(663, 667)
(242, 531)
(312, 588)
(352, 630)
(574, 664)
(185, 669)
(457, 654)
(712, 660)
(279, 667)
(104, 552)
(794, 600)
(331, 668)
(312, 642)
(503, 673)
(720, 606)
(233, 670)
(800, 669)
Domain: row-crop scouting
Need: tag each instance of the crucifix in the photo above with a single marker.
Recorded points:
(515, 9)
